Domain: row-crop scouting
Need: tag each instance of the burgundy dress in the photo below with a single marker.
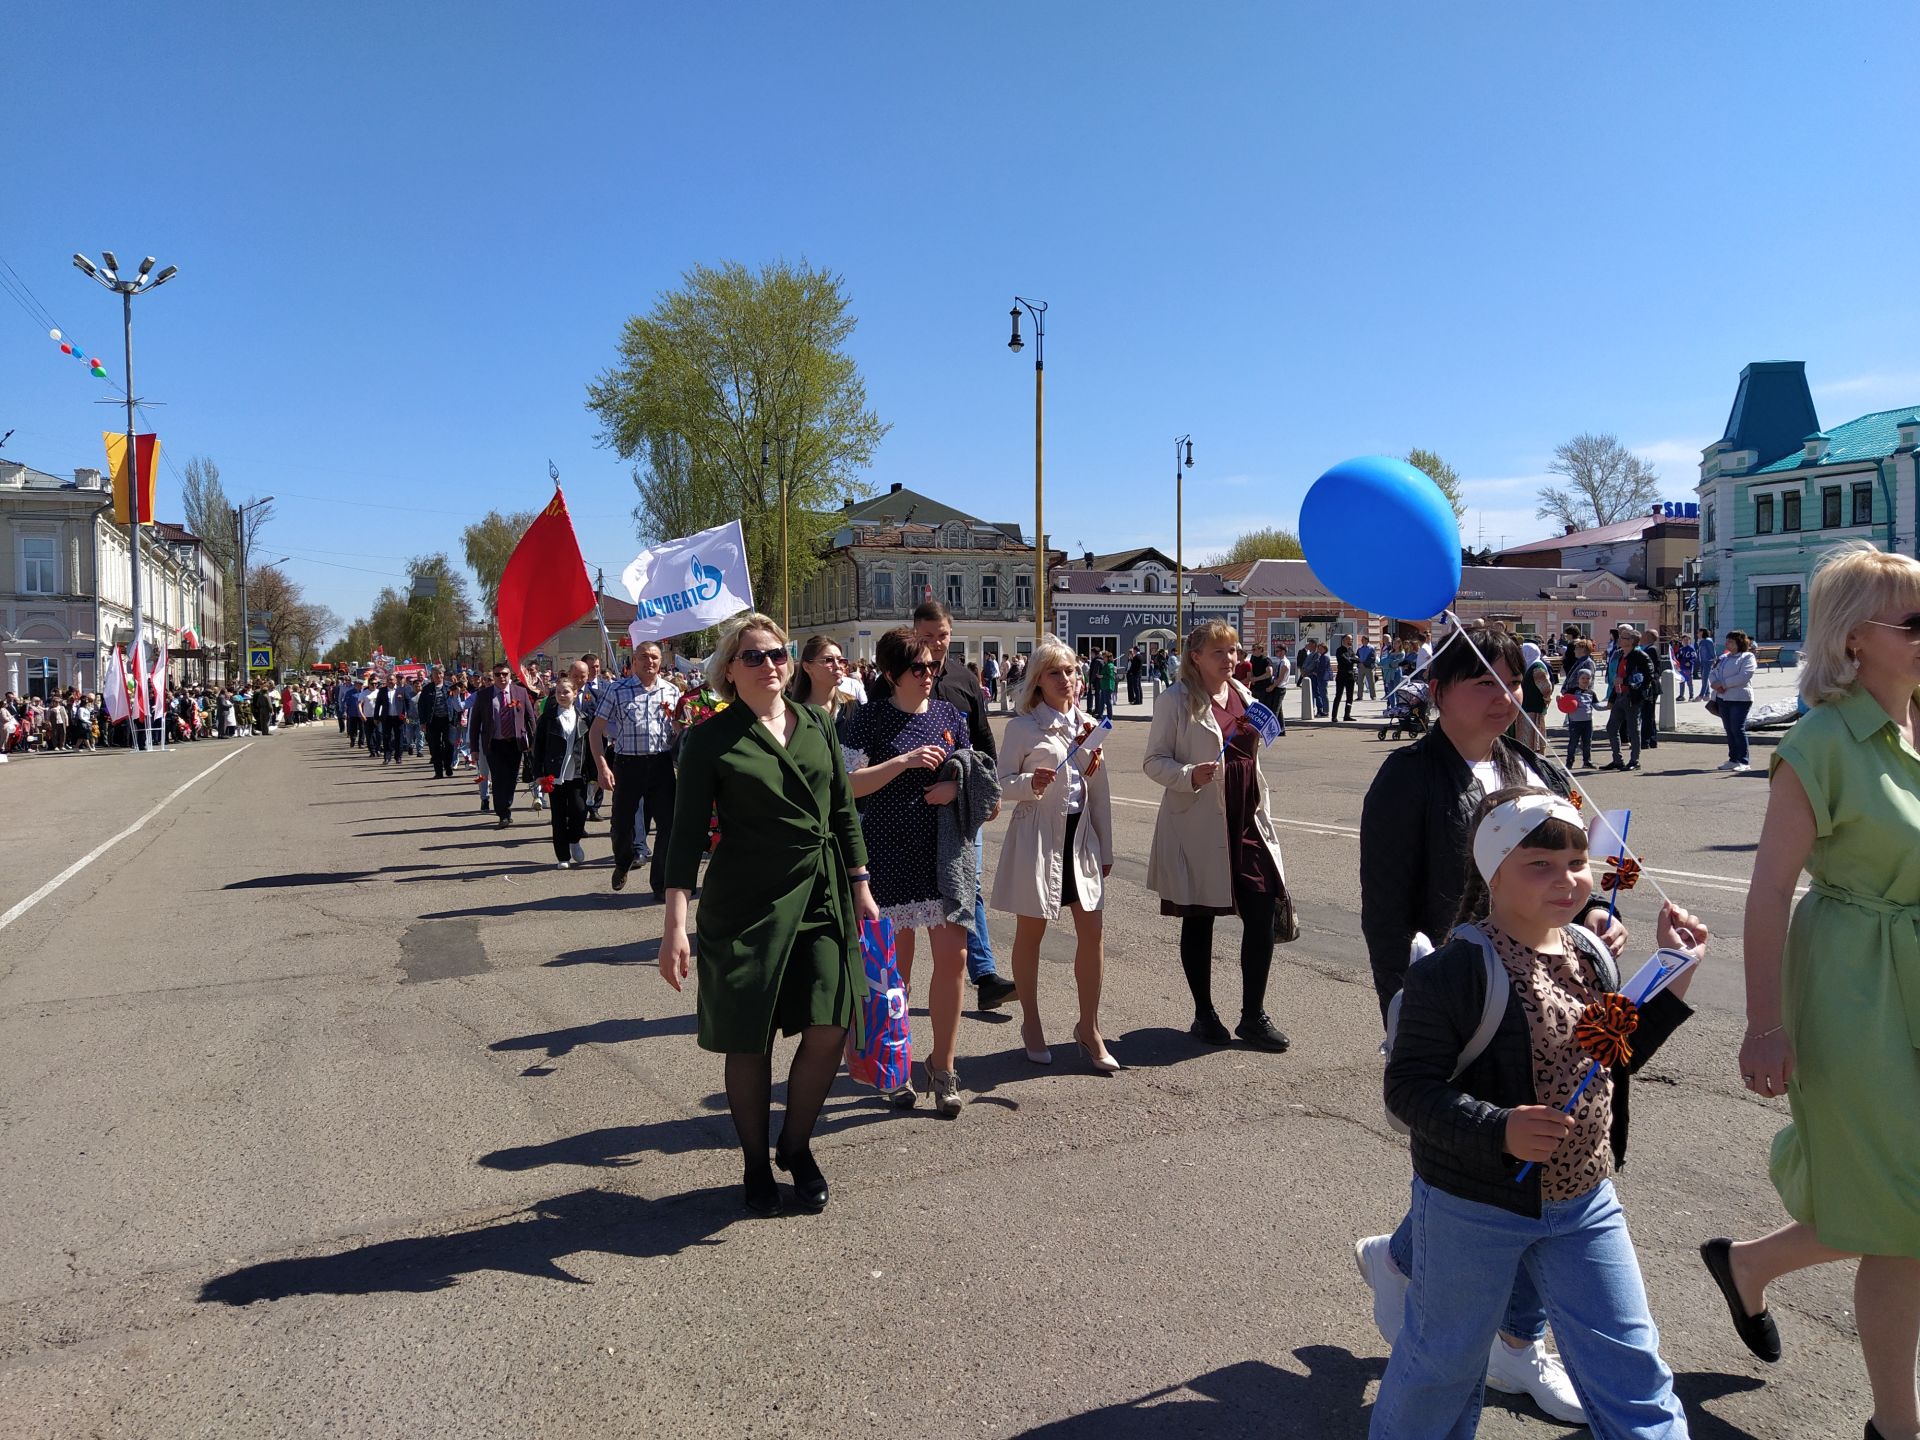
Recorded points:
(1254, 872)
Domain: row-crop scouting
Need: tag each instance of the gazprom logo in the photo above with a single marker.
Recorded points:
(706, 587)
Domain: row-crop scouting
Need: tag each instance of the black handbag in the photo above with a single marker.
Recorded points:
(1286, 919)
(1713, 705)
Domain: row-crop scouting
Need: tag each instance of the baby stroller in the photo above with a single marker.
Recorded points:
(1408, 710)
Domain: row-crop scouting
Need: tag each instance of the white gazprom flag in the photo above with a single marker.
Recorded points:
(687, 585)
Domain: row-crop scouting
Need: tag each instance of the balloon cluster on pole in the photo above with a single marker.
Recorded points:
(67, 347)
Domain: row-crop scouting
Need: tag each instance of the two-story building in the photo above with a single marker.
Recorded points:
(1777, 492)
(66, 581)
(1654, 552)
(1111, 603)
(892, 552)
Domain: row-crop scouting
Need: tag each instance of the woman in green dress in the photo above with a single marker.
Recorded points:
(1833, 1001)
(785, 893)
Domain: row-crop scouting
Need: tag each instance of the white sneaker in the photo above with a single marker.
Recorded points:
(564, 865)
(1742, 768)
(579, 853)
(1728, 765)
(1535, 1371)
(1389, 1286)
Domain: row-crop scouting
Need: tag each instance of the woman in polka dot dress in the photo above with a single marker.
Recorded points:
(894, 749)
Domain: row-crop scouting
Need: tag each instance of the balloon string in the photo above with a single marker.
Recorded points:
(1418, 668)
(1606, 820)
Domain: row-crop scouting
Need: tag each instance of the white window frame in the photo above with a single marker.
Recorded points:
(989, 599)
(954, 590)
(30, 567)
(1023, 580)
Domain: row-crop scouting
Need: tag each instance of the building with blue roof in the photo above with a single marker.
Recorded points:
(1777, 492)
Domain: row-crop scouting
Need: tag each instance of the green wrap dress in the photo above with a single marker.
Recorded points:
(778, 944)
(1849, 1164)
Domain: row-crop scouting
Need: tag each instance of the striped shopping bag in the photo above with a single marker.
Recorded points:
(884, 1058)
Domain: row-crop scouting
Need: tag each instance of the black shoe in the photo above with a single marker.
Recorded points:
(1613, 765)
(760, 1194)
(995, 991)
(501, 823)
(1634, 766)
(620, 876)
(1261, 1033)
(1757, 1332)
(809, 1185)
(1208, 1030)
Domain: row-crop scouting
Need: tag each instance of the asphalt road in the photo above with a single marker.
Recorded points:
(329, 1110)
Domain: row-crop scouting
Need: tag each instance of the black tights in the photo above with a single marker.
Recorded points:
(1256, 953)
(750, 1093)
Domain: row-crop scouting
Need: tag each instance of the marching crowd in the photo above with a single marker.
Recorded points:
(73, 719)
(819, 797)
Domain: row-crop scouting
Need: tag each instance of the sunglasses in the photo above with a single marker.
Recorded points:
(924, 667)
(1911, 625)
(754, 659)
(834, 660)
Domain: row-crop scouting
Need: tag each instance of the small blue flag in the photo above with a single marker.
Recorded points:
(1265, 721)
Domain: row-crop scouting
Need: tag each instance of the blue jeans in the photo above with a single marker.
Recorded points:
(1320, 695)
(1525, 1318)
(979, 944)
(1580, 1256)
(1733, 719)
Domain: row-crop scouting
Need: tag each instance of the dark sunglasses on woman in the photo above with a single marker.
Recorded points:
(924, 667)
(1911, 625)
(754, 659)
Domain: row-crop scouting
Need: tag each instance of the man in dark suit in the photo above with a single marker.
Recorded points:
(500, 726)
(435, 712)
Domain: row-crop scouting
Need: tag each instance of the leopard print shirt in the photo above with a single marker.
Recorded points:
(1553, 990)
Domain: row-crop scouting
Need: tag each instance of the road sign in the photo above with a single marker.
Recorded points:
(259, 657)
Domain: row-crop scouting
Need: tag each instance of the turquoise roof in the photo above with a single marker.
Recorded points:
(1871, 437)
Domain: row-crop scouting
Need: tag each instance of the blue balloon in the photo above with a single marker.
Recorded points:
(1381, 535)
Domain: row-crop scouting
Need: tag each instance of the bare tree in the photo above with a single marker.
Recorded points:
(1605, 482)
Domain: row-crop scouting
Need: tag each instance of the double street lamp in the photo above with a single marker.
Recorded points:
(1038, 310)
(107, 273)
(1179, 536)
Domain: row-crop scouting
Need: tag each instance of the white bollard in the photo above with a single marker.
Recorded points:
(1306, 700)
(1669, 683)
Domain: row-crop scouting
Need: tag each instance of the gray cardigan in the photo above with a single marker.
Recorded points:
(960, 821)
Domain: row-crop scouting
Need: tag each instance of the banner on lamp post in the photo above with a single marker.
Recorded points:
(687, 585)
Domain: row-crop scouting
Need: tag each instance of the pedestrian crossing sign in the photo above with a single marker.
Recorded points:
(259, 657)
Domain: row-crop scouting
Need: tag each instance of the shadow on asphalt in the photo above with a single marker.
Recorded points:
(594, 900)
(320, 877)
(1251, 1398)
(641, 952)
(530, 1243)
(601, 1032)
(615, 1147)
(1157, 1046)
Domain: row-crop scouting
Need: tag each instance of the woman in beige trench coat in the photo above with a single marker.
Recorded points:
(1214, 847)
(1059, 845)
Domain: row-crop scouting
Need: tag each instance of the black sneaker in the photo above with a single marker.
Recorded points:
(1208, 1030)
(620, 876)
(1261, 1033)
(995, 991)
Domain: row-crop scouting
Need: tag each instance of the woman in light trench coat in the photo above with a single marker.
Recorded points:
(1215, 851)
(1059, 845)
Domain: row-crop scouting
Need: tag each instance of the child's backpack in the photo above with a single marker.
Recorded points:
(885, 1059)
(1498, 987)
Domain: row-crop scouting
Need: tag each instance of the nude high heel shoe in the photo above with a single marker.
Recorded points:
(1101, 1060)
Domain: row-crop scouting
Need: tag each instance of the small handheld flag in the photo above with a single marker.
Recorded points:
(1263, 721)
(1097, 734)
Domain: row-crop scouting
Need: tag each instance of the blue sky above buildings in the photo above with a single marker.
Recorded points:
(408, 236)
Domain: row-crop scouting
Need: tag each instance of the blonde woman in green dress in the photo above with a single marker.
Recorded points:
(1833, 1000)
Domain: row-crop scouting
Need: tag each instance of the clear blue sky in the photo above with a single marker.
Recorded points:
(408, 236)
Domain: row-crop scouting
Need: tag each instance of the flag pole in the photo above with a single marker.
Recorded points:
(606, 640)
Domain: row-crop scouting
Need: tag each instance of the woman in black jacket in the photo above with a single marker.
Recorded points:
(1416, 877)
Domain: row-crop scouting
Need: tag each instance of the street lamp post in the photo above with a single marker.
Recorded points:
(780, 465)
(1038, 310)
(1180, 536)
(108, 276)
(240, 555)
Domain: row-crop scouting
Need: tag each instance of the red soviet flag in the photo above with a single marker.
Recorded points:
(544, 588)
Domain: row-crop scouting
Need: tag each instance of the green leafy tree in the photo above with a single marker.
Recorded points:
(438, 607)
(1443, 475)
(1269, 544)
(353, 647)
(731, 383)
(1605, 482)
(488, 545)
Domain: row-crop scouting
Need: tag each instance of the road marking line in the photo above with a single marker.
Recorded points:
(94, 854)
(1735, 883)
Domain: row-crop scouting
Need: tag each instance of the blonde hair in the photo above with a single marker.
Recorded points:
(1051, 651)
(1207, 633)
(732, 640)
(1854, 583)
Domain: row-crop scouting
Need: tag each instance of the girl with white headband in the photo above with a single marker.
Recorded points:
(1475, 1223)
